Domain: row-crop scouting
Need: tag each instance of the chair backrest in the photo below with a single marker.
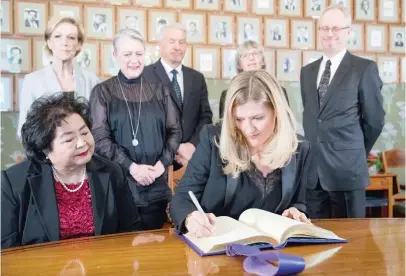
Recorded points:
(394, 158)
(174, 177)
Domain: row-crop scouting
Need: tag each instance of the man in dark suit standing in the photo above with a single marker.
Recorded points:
(188, 89)
(342, 118)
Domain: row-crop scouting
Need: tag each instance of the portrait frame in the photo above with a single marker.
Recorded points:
(388, 11)
(296, 38)
(67, 9)
(310, 56)
(270, 61)
(283, 72)
(402, 69)
(92, 49)
(156, 15)
(403, 5)
(24, 64)
(109, 66)
(40, 56)
(7, 17)
(198, 5)
(183, 4)
(117, 2)
(7, 92)
(394, 45)
(122, 14)
(376, 38)
(231, 6)
(366, 55)
(314, 12)
(360, 13)
(147, 3)
(152, 54)
(291, 10)
(229, 62)
(104, 30)
(210, 68)
(356, 42)
(263, 7)
(186, 18)
(393, 65)
(23, 9)
(188, 58)
(256, 26)
(282, 38)
(346, 3)
(18, 86)
(226, 37)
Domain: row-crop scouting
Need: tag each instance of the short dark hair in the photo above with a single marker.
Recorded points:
(45, 115)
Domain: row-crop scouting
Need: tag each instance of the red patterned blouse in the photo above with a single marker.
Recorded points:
(75, 211)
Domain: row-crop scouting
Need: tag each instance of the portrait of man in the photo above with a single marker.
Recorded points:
(192, 29)
(31, 18)
(236, 3)
(316, 5)
(365, 8)
(276, 33)
(99, 23)
(14, 55)
(302, 34)
(399, 42)
(288, 65)
(221, 30)
(161, 23)
(290, 5)
(249, 33)
(84, 58)
(388, 69)
(131, 22)
(206, 1)
(353, 38)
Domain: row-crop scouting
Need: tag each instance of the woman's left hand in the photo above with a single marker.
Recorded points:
(295, 214)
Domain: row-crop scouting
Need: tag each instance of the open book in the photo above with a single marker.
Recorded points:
(260, 228)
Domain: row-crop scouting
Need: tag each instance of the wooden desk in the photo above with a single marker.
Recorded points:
(384, 182)
(376, 247)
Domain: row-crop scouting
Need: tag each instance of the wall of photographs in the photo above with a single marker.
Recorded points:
(286, 28)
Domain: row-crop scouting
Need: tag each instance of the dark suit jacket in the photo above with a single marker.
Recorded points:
(29, 212)
(205, 177)
(346, 127)
(196, 108)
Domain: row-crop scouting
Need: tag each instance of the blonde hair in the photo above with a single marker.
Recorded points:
(54, 22)
(341, 8)
(257, 86)
(249, 44)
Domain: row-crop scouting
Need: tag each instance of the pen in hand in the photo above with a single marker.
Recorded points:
(199, 207)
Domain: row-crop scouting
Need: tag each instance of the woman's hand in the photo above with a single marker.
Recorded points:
(159, 169)
(295, 214)
(200, 225)
(143, 174)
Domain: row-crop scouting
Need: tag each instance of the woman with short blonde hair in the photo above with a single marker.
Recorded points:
(256, 145)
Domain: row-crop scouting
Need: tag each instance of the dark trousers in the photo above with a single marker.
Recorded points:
(153, 216)
(341, 204)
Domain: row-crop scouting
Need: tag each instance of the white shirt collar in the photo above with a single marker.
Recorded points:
(336, 60)
(168, 68)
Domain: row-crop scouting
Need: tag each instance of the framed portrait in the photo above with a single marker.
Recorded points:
(148, 3)
(41, 58)
(6, 19)
(158, 20)
(195, 24)
(403, 69)
(263, 7)
(376, 38)
(67, 9)
(109, 66)
(314, 8)
(388, 67)
(6, 92)
(388, 11)
(364, 10)
(403, 11)
(30, 17)
(270, 61)
(99, 21)
(367, 56)
(288, 64)
(178, 4)
(345, 3)
(290, 7)
(277, 33)
(356, 42)
(311, 56)
(187, 59)
(207, 5)
(397, 39)
(152, 54)
(132, 18)
(236, 6)
(228, 62)
(302, 34)
(88, 58)
(18, 87)
(249, 28)
(15, 55)
(221, 29)
(206, 60)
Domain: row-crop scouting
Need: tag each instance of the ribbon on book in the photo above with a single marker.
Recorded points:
(258, 262)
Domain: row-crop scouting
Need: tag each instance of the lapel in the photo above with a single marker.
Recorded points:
(341, 72)
(161, 73)
(187, 85)
(51, 81)
(314, 71)
(288, 176)
(43, 192)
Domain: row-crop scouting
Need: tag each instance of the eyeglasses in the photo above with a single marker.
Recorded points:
(335, 30)
(249, 54)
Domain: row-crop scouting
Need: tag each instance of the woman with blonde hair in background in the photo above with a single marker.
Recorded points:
(256, 145)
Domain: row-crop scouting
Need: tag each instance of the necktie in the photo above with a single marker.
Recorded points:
(176, 86)
(324, 82)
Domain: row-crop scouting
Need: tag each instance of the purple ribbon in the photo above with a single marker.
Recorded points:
(257, 262)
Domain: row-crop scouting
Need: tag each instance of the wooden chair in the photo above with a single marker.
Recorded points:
(174, 177)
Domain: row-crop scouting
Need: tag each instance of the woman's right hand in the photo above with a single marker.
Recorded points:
(143, 174)
(200, 225)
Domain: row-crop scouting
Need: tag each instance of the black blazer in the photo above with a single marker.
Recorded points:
(196, 110)
(346, 127)
(205, 177)
(29, 213)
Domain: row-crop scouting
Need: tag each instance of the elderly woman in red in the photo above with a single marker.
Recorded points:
(63, 191)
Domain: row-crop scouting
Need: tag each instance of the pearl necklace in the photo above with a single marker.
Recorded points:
(65, 185)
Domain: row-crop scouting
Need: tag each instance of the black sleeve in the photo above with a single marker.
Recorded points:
(9, 215)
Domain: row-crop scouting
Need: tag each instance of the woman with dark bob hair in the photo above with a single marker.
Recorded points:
(63, 191)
